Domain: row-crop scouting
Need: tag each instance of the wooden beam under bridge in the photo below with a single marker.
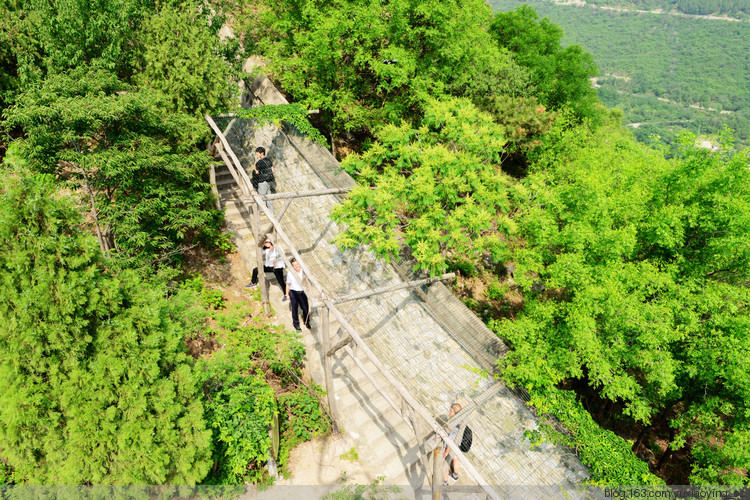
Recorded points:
(391, 288)
(299, 194)
(376, 291)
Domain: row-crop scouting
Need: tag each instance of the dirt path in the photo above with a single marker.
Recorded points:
(330, 460)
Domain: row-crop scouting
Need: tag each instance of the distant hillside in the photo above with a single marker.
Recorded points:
(667, 72)
(731, 8)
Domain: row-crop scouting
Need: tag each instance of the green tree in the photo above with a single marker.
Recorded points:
(49, 37)
(130, 158)
(438, 188)
(240, 405)
(560, 75)
(635, 271)
(367, 63)
(181, 58)
(95, 386)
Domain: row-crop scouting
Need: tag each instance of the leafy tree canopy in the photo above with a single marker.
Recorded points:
(438, 186)
(94, 383)
(364, 64)
(180, 58)
(48, 37)
(560, 75)
(128, 156)
(637, 284)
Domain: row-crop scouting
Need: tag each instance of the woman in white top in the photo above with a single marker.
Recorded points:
(272, 263)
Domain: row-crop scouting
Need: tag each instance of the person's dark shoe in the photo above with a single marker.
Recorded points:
(285, 298)
(454, 476)
(298, 328)
(445, 483)
(251, 285)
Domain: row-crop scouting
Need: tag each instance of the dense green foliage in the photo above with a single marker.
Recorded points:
(560, 75)
(607, 455)
(367, 63)
(95, 385)
(103, 102)
(240, 402)
(42, 38)
(143, 185)
(127, 144)
(667, 73)
(179, 42)
(633, 270)
(439, 187)
(637, 285)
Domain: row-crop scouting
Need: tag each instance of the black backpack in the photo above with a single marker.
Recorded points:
(466, 440)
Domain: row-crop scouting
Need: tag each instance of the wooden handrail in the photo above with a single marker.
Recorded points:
(248, 185)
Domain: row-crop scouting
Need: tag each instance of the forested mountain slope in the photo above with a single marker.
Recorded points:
(729, 8)
(104, 197)
(618, 274)
(666, 72)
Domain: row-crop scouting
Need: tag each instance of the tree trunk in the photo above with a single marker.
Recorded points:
(103, 241)
(640, 437)
(667, 455)
(603, 410)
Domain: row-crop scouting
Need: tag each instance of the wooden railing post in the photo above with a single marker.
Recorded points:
(437, 480)
(259, 239)
(326, 338)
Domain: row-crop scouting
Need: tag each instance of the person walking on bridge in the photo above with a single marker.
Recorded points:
(263, 175)
(297, 295)
(464, 445)
(272, 263)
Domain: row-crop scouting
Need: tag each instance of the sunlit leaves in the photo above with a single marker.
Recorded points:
(437, 188)
(180, 59)
(560, 75)
(635, 276)
(98, 133)
(364, 64)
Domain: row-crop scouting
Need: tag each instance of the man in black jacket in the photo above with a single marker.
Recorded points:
(263, 174)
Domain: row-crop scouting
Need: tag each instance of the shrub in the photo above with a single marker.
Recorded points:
(609, 456)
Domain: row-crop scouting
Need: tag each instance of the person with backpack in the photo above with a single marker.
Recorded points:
(464, 446)
(263, 176)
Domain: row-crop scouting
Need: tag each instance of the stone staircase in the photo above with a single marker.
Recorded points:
(429, 341)
(386, 444)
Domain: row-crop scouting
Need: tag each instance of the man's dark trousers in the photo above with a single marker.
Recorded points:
(299, 299)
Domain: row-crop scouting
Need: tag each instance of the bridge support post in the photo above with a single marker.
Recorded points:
(409, 411)
(437, 480)
(326, 338)
(259, 239)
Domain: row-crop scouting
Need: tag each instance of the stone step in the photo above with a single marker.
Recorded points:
(234, 208)
(237, 217)
(226, 180)
(360, 407)
(222, 171)
(230, 197)
(404, 467)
